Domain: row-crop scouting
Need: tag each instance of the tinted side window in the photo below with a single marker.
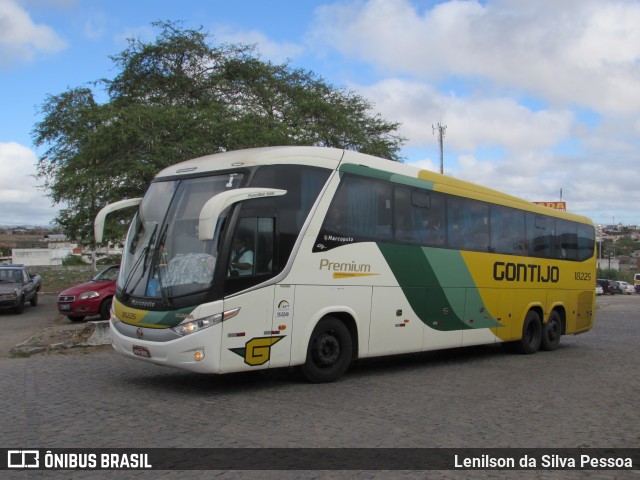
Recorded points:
(251, 259)
(566, 240)
(586, 241)
(540, 234)
(303, 185)
(507, 231)
(467, 224)
(361, 209)
(419, 217)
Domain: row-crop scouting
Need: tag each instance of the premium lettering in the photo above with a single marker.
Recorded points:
(525, 272)
(344, 267)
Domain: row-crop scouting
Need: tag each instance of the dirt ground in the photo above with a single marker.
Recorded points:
(42, 330)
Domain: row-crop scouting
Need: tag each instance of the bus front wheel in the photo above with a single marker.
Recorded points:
(329, 351)
(551, 332)
(531, 334)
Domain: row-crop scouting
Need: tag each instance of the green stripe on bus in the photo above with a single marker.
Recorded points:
(386, 176)
(432, 273)
(166, 318)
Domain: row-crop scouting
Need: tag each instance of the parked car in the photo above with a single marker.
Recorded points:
(609, 287)
(91, 298)
(599, 290)
(625, 287)
(17, 287)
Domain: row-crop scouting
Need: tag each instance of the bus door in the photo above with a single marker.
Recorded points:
(248, 337)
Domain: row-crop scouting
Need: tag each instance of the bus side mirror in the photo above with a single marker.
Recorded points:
(98, 224)
(214, 207)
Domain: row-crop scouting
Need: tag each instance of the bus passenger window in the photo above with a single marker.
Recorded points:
(468, 224)
(566, 240)
(434, 220)
(540, 232)
(407, 221)
(419, 216)
(361, 209)
(586, 241)
(507, 231)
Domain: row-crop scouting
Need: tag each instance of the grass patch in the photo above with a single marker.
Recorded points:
(56, 279)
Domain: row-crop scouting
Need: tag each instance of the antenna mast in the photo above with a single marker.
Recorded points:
(441, 133)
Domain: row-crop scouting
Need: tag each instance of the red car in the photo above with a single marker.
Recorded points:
(91, 298)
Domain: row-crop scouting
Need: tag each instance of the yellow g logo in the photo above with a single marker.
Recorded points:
(257, 351)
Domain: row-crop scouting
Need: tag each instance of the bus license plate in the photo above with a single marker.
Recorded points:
(141, 351)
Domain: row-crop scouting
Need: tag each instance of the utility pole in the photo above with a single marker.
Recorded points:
(441, 133)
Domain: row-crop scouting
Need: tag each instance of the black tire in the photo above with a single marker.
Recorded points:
(531, 334)
(329, 351)
(75, 318)
(105, 308)
(20, 306)
(551, 332)
(34, 300)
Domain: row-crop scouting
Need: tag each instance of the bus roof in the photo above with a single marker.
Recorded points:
(315, 156)
(334, 158)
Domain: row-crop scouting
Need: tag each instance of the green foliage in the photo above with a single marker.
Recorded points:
(626, 245)
(613, 274)
(72, 260)
(110, 260)
(180, 97)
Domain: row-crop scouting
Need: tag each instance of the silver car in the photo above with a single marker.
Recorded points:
(626, 287)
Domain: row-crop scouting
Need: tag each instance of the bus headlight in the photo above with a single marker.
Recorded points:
(202, 323)
(197, 325)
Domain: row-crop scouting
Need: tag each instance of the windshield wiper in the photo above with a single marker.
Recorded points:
(156, 267)
(142, 258)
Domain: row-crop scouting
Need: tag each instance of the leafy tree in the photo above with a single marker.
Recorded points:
(627, 245)
(180, 97)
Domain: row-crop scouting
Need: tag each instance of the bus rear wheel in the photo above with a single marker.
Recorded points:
(551, 332)
(329, 351)
(531, 334)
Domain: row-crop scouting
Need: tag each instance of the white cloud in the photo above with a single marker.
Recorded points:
(278, 52)
(21, 38)
(585, 52)
(23, 201)
(474, 122)
(95, 24)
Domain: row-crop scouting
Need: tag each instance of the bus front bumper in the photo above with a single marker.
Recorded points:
(197, 352)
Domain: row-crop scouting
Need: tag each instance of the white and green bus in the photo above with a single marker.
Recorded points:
(314, 257)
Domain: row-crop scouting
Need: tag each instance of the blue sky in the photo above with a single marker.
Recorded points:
(536, 96)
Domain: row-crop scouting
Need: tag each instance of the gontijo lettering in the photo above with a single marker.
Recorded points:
(525, 272)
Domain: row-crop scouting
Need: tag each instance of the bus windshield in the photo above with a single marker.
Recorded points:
(163, 256)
